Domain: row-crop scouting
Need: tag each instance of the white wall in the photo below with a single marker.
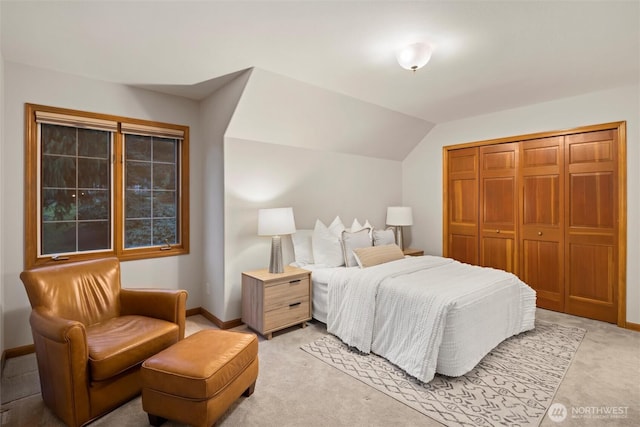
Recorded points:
(317, 184)
(281, 110)
(215, 113)
(27, 84)
(290, 143)
(422, 169)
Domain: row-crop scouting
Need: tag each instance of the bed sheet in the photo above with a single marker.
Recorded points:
(320, 276)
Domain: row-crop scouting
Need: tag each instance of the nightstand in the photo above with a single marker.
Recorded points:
(271, 302)
(413, 252)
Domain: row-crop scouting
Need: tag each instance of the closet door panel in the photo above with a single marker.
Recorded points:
(591, 253)
(542, 269)
(498, 206)
(462, 200)
(542, 219)
(496, 253)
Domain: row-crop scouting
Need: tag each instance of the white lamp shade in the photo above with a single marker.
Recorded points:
(276, 222)
(414, 56)
(399, 215)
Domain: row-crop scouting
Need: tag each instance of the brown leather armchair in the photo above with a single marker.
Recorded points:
(91, 336)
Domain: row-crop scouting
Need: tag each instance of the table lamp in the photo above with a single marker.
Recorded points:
(399, 216)
(275, 223)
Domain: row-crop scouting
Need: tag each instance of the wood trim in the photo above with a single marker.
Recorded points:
(445, 201)
(31, 348)
(229, 324)
(632, 326)
(620, 126)
(193, 311)
(16, 352)
(538, 135)
(622, 224)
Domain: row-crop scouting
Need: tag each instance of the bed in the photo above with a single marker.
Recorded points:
(425, 314)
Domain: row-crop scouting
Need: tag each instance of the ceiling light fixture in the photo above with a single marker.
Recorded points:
(414, 56)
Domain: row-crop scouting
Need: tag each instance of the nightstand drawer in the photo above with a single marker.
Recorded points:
(290, 314)
(282, 294)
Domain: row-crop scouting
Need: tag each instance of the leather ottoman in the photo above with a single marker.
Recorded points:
(196, 380)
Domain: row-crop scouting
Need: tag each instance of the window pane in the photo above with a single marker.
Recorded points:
(58, 139)
(58, 237)
(75, 186)
(58, 205)
(164, 176)
(138, 176)
(138, 233)
(93, 173)
(58, 172)
(164, 150)
(93, 204)
(93, 143)
(164, 231)
(138, 147)
(164, 204)
(93, 235)
(138, 204)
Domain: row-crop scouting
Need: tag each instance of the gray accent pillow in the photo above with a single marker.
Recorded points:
(354, 240)
(384, 237)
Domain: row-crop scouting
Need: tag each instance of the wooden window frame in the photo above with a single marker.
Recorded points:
(32, 189)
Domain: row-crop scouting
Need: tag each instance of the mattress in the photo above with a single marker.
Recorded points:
(430, 314)
(320, 276)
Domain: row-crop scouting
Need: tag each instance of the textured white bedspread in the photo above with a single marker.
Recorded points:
(409, 310)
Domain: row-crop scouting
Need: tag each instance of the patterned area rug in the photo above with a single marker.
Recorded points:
(513, 385)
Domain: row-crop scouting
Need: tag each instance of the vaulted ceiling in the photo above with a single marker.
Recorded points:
(489, 55)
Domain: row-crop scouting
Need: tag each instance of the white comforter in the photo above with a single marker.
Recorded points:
(400, 311)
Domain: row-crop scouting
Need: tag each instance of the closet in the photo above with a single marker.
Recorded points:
(550, 208)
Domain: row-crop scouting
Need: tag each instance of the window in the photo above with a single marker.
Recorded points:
(101, 185)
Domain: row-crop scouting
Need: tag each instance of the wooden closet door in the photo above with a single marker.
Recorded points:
(541, 177)
(591, 212)
(462, 205)
(498, 206)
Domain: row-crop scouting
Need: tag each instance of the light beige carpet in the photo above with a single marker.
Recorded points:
(513, 385)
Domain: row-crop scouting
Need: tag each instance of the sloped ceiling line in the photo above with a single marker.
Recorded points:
(280, 110)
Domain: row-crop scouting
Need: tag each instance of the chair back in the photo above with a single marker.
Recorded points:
(85, 291)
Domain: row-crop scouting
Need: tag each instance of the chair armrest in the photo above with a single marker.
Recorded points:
(63, 356)
(56, 328)
(165, 304)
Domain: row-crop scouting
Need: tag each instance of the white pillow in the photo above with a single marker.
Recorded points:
(355, 226)
(353, 240)
(302, 248)
(327, 249)
(384, 237)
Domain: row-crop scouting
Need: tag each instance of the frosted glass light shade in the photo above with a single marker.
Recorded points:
(276, 222)
(414, 56)
(399, 215)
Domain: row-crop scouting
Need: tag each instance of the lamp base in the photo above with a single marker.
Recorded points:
(400, 237)
(275, 264)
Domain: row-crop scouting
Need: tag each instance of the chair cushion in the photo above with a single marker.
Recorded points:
(120, 343)
(201, 365)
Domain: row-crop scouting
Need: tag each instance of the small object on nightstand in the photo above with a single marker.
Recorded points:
(413, 252)
(271, 302)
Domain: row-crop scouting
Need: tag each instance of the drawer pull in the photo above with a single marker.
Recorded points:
(294, 304)
(295, 281)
